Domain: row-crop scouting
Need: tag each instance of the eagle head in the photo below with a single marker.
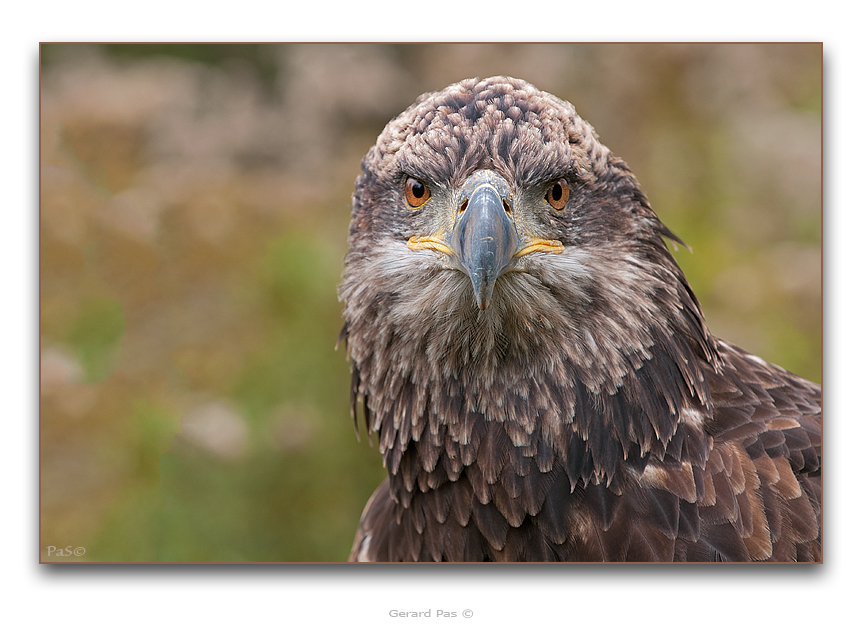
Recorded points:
(495, 241)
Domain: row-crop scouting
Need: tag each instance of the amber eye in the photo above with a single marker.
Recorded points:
(558, 194)
(416, 192)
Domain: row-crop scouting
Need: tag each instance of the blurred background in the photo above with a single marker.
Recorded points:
(194, 209)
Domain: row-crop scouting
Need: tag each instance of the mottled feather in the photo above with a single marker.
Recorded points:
(587, 414)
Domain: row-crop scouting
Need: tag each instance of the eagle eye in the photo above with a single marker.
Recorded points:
(558, 194)
(416, 192)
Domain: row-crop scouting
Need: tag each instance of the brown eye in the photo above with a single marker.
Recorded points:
(558, 195)
(416, 193)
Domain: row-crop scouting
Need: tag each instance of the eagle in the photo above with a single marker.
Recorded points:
(536, 366)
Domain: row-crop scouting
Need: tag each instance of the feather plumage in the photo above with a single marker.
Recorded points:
(587, 414)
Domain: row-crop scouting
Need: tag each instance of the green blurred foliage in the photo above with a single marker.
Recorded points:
(93, 335)
(194, 212)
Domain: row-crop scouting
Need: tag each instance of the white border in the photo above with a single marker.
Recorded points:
(312, 594)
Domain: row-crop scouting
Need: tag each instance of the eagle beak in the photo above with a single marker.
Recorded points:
(484, 239)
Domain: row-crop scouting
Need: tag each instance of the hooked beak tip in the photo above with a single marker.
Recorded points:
(484, 241)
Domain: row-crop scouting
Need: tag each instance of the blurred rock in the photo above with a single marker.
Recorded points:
(58, 369)
(62, 386)
(135, 213)
(332, 91)
(216, 428)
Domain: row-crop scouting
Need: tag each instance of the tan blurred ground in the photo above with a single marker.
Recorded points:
(194, 211)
